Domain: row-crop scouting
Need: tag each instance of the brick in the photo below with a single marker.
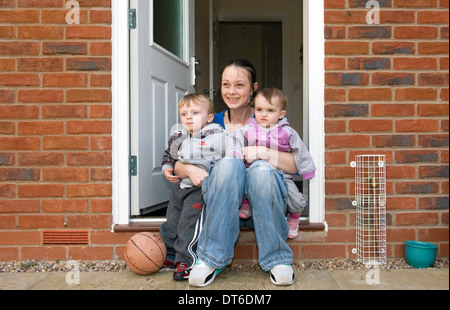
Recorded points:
(400, 172)
(346, 48)
(370, 94)
(91, 253)
(39, 3)
(435, 79)
(40, 95)
(382, 141)
(20, 143)
(419, 218)
(19, 206)
(40, 32)
(372, 125)
(416, 4)
(65, 205)
(101, 205)
(397, 17)
(88, 32)
(322, 251)
(369, 32)
(88, 127)
(7, 64)
(101, 143)
(64, 111)
(65, 174)
(433, 48)
(100, 48)
(335, 79)
(400, 203)
(392, 109)
(7, 96)
(65, 143)
(19, 48)
(19, 174)
(415, 32)
(64, 48)
(65, 80)
(101, 111)
(95, 221)
(416, 125)
(346, 110)
(100, 16)
(413, 63)
(433, 172)
(8, 128)
(88, 95)
(433, 234)
(393, 79)
(88, 64)
(19, 16)
(43, 253)
(340, 141)
(19, 79)
(15, 237)
(335, 172)
(41, 159)
(335, 157)
(98, 80)
(39, 64)
(369, 63)
(58, 16)
(19, 112)
(334, 32)
(438, 140)
(434, 203)
(7, 191)
(334, 126)
(417, 187)
(89, 159)
(337, 95)
(40, 190)
(432, 109)
(41, 221)
(415, 94)
(432, 17)
(416, 156)
(393, 47)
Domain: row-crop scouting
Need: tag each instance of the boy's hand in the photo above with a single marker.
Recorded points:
(168, 173)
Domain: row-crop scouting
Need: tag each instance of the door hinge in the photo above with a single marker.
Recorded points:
(132, 19)
(133, 166)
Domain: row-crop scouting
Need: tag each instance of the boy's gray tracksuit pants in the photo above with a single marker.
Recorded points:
(184, 223)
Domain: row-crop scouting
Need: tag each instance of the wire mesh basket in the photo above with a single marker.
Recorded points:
(370, 203)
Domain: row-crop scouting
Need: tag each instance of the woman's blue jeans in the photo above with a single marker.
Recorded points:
(266, 192)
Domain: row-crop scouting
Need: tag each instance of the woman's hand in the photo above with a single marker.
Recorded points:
(280, 160)
(196, 174)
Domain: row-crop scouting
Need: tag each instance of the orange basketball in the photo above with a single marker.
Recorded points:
(145, 253)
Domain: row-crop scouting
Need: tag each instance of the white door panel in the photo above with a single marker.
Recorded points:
(159, 78)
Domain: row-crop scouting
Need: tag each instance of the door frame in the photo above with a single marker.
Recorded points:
(314, 85)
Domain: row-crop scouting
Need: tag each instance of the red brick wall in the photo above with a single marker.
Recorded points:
(55, 127)
(386, 92)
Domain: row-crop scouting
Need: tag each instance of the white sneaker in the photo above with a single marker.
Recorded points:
(282, 275)
(202, 275)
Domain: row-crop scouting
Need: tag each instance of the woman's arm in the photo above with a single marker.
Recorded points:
(196, 174)
(281, 160)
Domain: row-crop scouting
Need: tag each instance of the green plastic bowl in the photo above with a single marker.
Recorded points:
(420, 254)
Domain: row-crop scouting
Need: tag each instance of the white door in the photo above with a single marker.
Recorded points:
(162, 72)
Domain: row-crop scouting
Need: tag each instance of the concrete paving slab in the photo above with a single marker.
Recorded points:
(404, 279)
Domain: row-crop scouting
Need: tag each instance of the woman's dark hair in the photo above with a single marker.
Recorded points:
(250, 68)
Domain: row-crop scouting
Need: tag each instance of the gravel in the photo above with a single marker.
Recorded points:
(119, 266)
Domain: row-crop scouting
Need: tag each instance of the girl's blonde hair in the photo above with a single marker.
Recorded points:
(196, 99)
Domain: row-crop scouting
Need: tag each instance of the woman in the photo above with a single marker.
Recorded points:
(229, 181)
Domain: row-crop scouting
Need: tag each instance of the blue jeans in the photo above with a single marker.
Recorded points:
(266, 192)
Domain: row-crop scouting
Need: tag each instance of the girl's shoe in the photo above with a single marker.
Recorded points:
(244, 211)
(293, 227)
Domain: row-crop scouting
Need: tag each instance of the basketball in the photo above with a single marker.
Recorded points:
(145, 253)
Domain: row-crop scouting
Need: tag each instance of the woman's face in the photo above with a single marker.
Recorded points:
(236, 87)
